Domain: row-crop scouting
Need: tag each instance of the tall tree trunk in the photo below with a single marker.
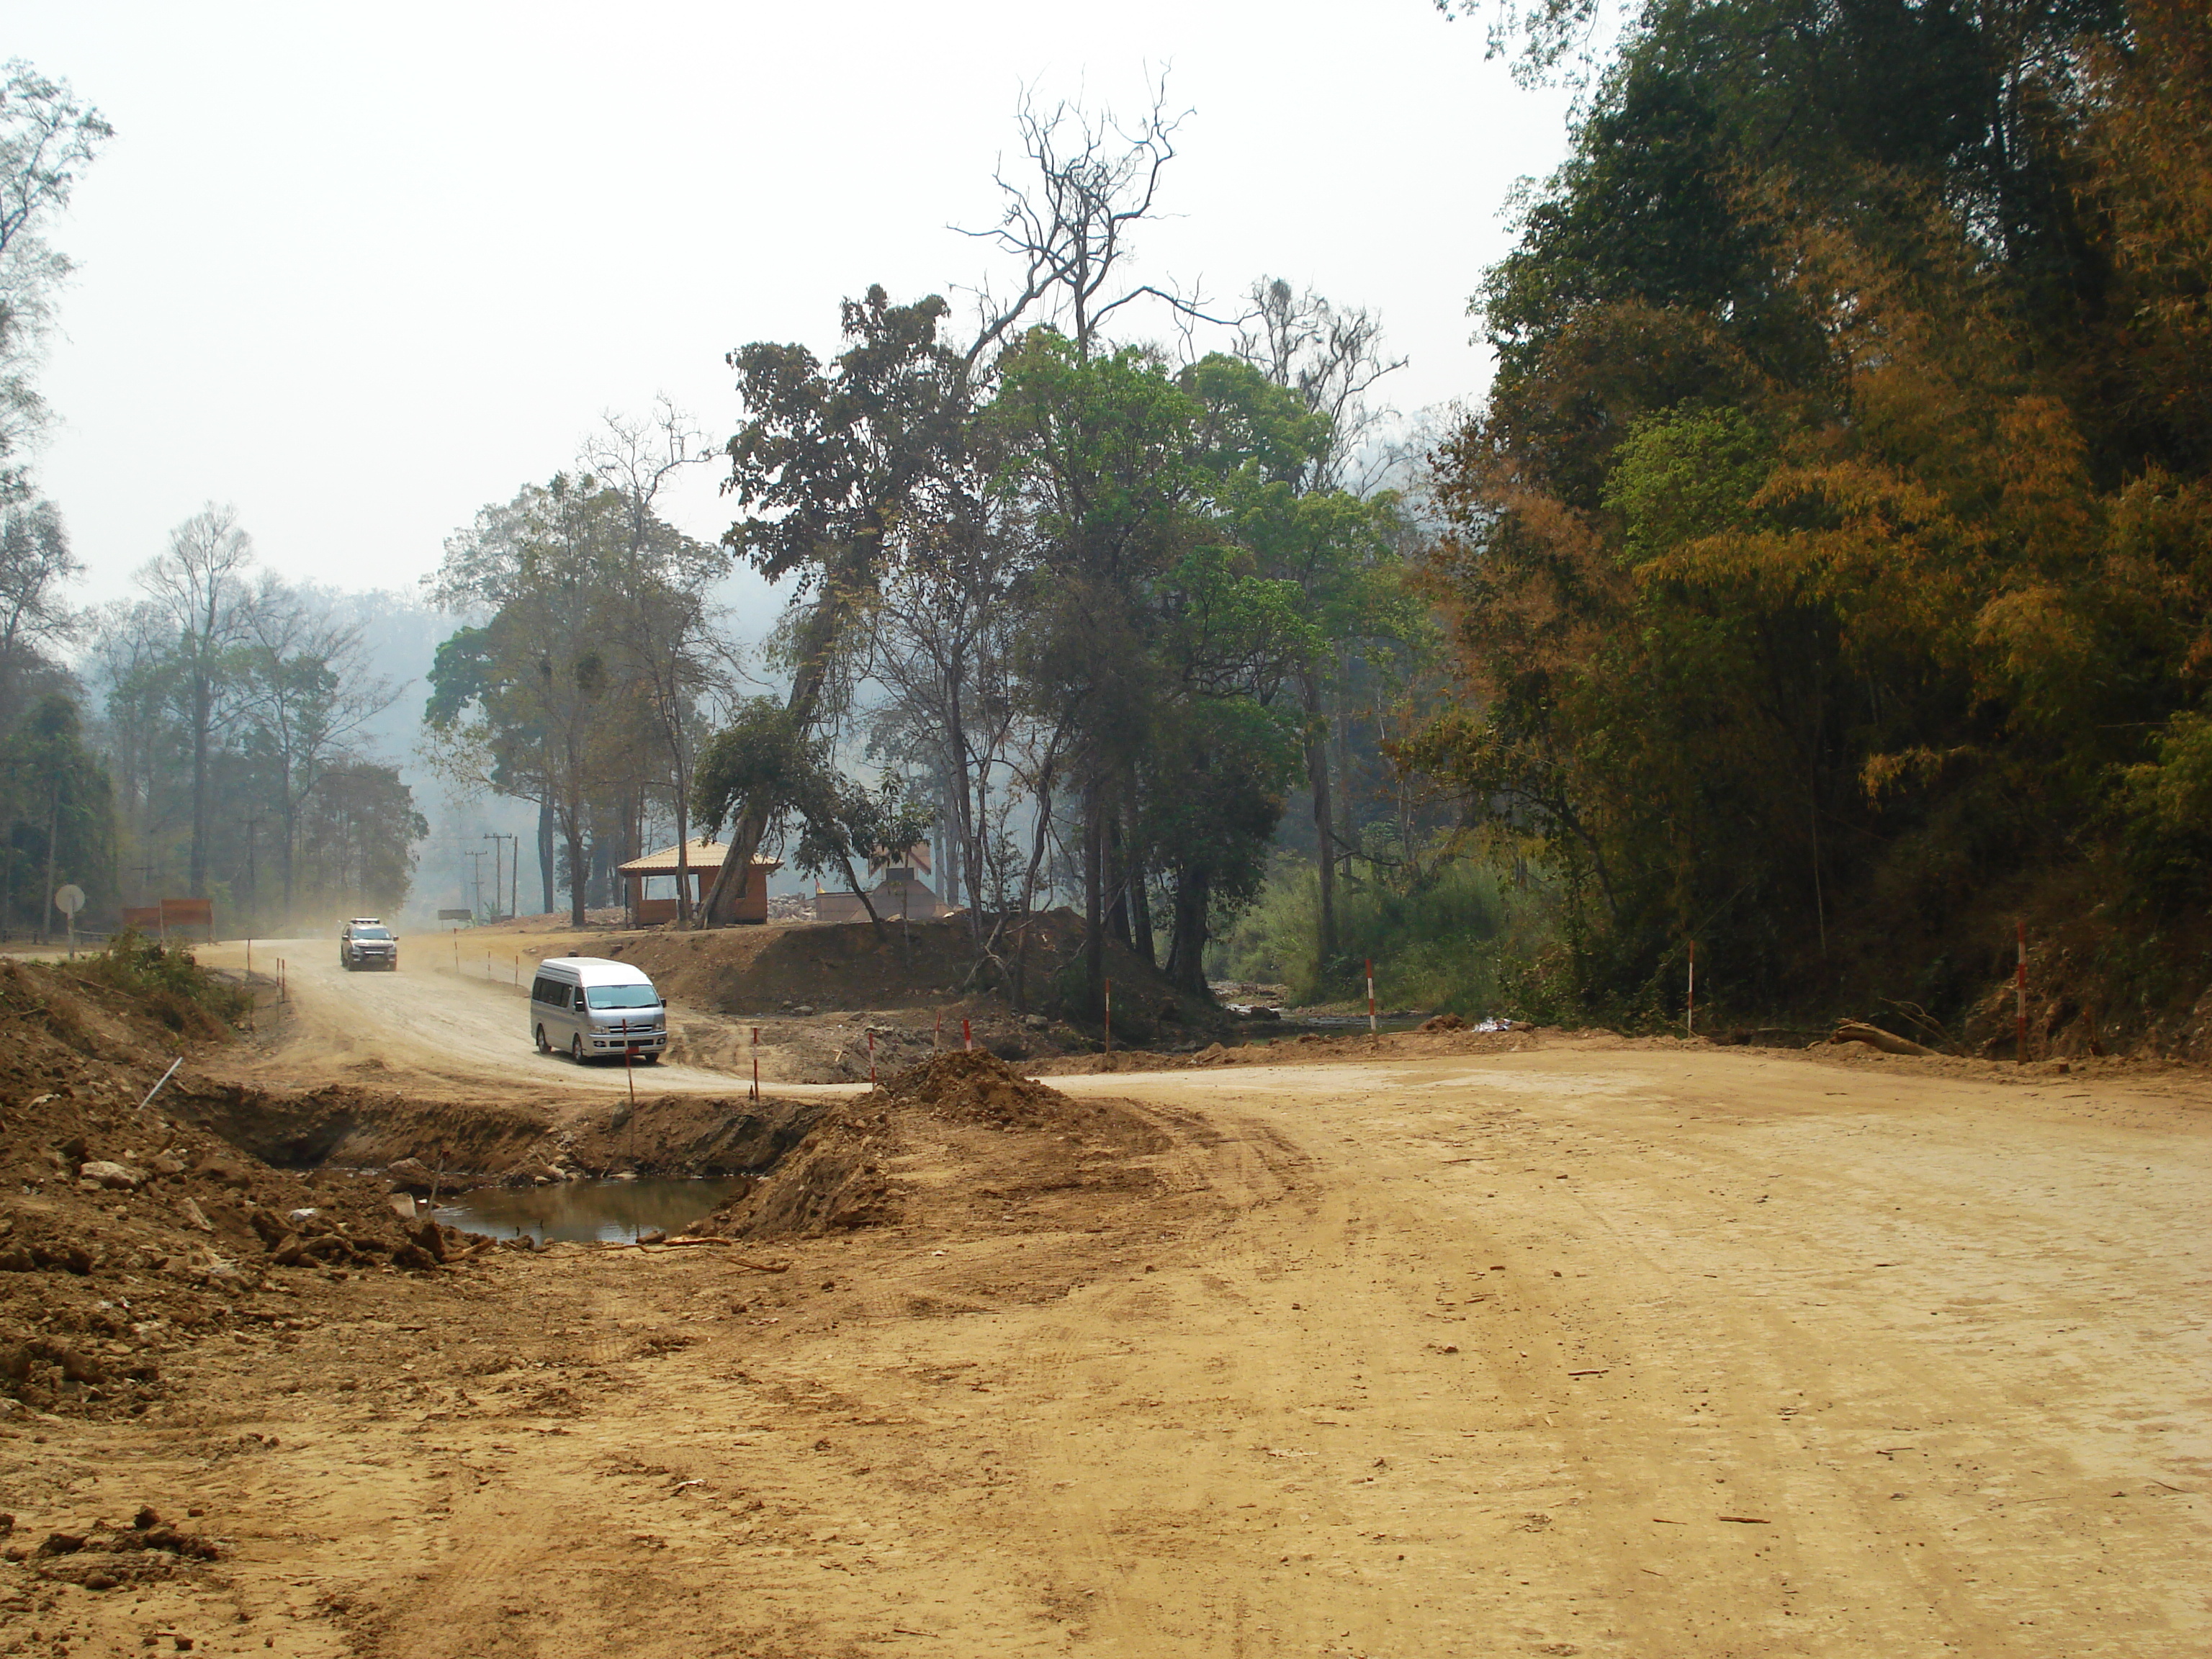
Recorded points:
(545, 856)
(572, 830)
(1323, 814)
(820, 634)
(682, 852)
(1094, 906)
(202, 716)
(291, 841)
(861, 893)
(53, 834)
(1186, 945)
(1117, 881)
(1040, 839)
(1141, 908)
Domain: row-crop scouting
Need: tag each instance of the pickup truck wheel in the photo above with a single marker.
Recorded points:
(576, 1050)
(543, 1047)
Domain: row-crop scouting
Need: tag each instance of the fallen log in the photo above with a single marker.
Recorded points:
(1853, 1030)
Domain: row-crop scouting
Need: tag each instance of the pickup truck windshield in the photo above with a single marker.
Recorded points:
(622, 996)
(371, 933)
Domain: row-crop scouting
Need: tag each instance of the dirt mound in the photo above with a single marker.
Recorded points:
(835, 1179)
(1014, 1141)
(127, 1231)
(981, 1088)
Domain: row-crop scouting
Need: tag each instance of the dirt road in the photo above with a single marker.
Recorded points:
(1596, 1348)
(458, 1018)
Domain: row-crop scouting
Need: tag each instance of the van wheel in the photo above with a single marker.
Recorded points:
(543, 1047)
(576, 1050)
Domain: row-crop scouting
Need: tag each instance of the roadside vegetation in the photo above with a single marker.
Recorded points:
(165, 980)
(1823, 583)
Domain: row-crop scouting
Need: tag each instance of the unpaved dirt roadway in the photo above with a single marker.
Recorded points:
(1941, 1342)
(436, 1019)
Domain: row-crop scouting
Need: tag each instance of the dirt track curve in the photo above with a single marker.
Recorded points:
(463, 1021)
(1597, 1347)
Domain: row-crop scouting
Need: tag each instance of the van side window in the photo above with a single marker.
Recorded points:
(544, 990)
(578, 1004)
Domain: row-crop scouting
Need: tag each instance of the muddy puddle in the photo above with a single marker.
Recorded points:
(588, 1210)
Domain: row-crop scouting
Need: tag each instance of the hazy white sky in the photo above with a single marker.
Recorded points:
(360, 270)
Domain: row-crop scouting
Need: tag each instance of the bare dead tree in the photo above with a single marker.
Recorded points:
(1068, 224)
(1331, 357)
(199, 587)
(661, 613)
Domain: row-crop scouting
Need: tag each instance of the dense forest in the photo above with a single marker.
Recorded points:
(1826, 571)
(1821, 584)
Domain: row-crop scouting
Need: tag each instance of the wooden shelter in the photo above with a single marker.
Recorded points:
(649, 884)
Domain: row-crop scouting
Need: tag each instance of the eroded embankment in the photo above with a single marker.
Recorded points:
(129, 1229)
(475, 1141)
(963, 1132)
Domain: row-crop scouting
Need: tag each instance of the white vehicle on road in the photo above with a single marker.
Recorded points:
(596, 1008)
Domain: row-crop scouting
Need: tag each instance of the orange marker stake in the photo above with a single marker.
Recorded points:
(2019, 996)
(967, 1039)
(755, 1063)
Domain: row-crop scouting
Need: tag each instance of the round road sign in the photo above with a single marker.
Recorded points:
(70, 900)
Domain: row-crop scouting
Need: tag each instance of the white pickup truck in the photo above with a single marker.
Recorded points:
(366, 942)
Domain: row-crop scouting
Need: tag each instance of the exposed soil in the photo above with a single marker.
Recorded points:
(962, 1137)
(1522, 1343)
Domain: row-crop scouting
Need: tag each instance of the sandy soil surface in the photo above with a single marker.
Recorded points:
(1591, 1348)
(462, 1019)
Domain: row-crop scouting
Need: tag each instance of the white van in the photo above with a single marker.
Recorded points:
(595, 1008)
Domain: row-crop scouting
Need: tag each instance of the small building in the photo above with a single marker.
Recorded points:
(649, 884)
(902, 893)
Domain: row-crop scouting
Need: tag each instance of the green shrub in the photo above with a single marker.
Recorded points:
(179, 991)
(1453, 939)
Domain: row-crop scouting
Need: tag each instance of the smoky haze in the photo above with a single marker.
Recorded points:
(359, 272)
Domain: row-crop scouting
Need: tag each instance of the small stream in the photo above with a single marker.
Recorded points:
(588, 1211)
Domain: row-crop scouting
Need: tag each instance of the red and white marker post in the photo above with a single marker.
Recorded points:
(2019, 996)
(1690, 1014)
(755, 1063)
(1109, 1019)
(1374, 1029)
(871, 1059)
(967, 1039)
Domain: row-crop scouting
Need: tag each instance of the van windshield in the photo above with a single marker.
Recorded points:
(622, 996)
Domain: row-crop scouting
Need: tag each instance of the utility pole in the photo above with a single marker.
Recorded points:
(476, 872)
(498, 870)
